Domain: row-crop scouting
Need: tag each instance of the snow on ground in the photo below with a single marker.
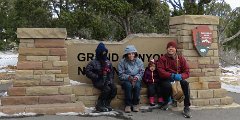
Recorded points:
(111, 113)
(6, 59)
(90, 111)
(230, 78)
(3, 114)
(73, 83)
(3, 94)
(231, 70)
(231, 88)
(17, 115)
(68, 114)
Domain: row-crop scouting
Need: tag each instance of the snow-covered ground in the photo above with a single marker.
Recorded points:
(230, 78)
(73, 83)
(17, 115)
(6, 59)
(91, 111)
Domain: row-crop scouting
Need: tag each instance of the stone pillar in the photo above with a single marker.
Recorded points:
(42, 57)
(205, 73)
(42, 68)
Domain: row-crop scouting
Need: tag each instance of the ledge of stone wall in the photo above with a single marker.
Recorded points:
(41, 33)
(128, 38)
(194, 19)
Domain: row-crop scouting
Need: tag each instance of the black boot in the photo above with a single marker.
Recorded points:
(186, 112)
(107, 104)
(164, 106)
(100, 106)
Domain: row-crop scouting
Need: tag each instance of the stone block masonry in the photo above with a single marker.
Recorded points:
(204, 78)
(42, 69)
(42, 50)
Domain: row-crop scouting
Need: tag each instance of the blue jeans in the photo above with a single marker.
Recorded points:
(132, 94)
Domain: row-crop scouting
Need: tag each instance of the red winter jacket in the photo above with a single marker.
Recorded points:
(166, 65)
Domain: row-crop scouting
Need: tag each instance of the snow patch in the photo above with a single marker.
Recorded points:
(68, 114)
(3, 94)
(231, 88)
(73, 82)
(25, 114)
(144, 107)
(2, 70)
(17, 115)
(90, 111)
(8, 59)
(234, 70)
(111, 113)
(3, 114)
(230, 79)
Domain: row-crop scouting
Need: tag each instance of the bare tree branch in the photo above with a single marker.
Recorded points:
(180, 4)
(173, 5)
(55, 9)
(228, 22)
(231, 38)
(116, 19)
(177, 4)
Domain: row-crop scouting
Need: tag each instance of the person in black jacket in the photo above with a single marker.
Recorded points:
(101, 72)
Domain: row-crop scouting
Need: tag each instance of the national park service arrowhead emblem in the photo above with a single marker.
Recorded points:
(202, 39)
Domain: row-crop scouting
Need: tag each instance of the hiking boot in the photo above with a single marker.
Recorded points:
(127, 109)
(101, 109)
(100, 106)
(107, 105)
(135, 108)
(152, 104)
(151, 101)
(164, 106)
(186, 112)
(160, 104)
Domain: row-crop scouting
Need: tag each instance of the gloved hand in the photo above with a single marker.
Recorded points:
(108, 82)
(130, 78)
(172, 76)
(178, 77)
(135, 79)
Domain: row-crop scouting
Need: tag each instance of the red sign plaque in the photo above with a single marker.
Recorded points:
(202, 39)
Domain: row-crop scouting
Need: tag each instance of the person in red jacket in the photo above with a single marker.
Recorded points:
(172, 67)
(151, 79)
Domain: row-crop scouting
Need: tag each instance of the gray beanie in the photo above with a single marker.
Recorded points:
(130, 49)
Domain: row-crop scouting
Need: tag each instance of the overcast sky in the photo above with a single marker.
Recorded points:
(233, 3)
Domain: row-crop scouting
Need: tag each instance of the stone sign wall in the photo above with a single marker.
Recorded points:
(81, 52)
(45, 64)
